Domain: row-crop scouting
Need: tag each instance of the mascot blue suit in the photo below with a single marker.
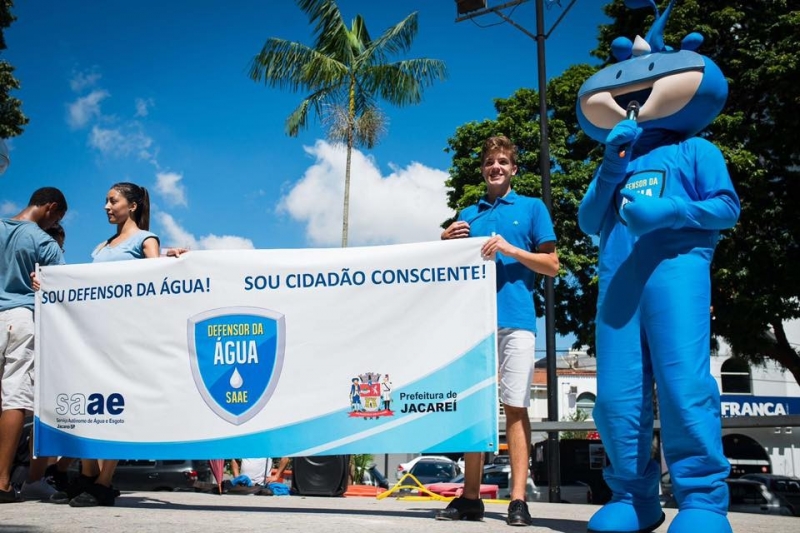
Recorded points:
(658, 202)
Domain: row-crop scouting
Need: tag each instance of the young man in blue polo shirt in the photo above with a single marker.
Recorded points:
(23, 244)
(521, 241)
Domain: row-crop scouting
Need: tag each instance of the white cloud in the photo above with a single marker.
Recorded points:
(143, 106)
(83, 80)
(9, 208)
(169, 185)
(85, 108)
(121, 141)
(175, 235)
(408, 205)
(225, 242)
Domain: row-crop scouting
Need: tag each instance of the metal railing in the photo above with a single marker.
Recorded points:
(727, 423)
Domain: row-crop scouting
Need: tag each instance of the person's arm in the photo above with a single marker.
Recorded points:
(596, 202)
(278, 476)
(543, 261)
(457, 230)
(176, 252)
(150, 247)
(612, 172)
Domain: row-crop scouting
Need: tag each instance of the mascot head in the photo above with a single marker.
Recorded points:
(678, 91)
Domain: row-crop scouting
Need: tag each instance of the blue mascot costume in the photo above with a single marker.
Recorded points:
(658, 202)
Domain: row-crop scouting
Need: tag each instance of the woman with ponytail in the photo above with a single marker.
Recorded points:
(127, 206)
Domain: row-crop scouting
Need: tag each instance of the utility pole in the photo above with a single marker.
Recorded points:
(468, 9)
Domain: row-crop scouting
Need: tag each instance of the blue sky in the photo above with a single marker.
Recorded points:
(157, 93)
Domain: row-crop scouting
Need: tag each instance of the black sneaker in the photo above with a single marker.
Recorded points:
(10, 496)
(95, 496)
(72, 490)
(518, 514)
(462, 509)
(60, 480)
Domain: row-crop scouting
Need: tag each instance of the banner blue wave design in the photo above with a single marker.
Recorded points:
(334, 433)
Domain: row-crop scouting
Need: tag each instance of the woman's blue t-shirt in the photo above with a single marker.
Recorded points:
(130, 248)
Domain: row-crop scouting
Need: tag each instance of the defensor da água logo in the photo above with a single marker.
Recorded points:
(236, 356)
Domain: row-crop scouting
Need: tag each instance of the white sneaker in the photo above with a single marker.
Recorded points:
(38, 490)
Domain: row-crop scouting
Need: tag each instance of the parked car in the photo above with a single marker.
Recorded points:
(501, 460)
(146, 475)
(746, 496)
(500, 475)
(404, 468)
(373, 476)
(787, 487)
(433, 470)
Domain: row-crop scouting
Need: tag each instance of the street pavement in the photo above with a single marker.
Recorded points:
(186, 512)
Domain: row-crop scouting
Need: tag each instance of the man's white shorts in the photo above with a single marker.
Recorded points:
(516, 354)
(16, 358)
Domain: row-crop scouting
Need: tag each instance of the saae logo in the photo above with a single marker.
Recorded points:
(236, 358)
(94, 404)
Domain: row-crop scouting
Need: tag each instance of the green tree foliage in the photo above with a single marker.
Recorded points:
(12, 119)
(755, 283)
(574, 416)
(345, 73)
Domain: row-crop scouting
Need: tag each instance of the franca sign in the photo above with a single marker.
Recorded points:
(740, 405)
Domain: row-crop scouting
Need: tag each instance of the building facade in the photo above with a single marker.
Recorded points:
(745, 390)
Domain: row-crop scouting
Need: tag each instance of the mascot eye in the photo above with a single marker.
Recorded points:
(619, 74)
(621, 48)
(651, 66)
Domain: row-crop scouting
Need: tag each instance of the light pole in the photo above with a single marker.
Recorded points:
(4, 158)
(468, 9)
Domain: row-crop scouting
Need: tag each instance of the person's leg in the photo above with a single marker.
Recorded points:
(90, 470)
(58, 471)
(107, 472)
(16, 388)
(624, 409)
(678, 326)
(11, 421)
(99, 493)
(518, 436)
(473, 472)
(468, 506)
(35, 486)
(517, 355)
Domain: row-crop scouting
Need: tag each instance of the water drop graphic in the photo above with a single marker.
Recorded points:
(236, 379)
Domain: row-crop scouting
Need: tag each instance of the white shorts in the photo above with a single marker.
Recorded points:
(516, 352)
(16, 358)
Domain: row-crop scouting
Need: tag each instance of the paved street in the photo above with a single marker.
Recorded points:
(188, 512)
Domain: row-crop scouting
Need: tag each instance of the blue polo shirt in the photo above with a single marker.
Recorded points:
(22, 245)
(525, 223)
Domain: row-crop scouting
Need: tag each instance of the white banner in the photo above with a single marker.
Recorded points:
(255, 353)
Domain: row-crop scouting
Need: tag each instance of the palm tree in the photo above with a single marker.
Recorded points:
(345, 73)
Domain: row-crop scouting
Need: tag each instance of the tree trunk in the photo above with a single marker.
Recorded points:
(346, 211)
(782, 351)
(351, 116)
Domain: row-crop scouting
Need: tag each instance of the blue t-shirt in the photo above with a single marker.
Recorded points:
(130, 248)
(525, 223)
(22, 245)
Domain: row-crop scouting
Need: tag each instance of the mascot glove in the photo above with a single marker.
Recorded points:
(621, 138)
(644, 214)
